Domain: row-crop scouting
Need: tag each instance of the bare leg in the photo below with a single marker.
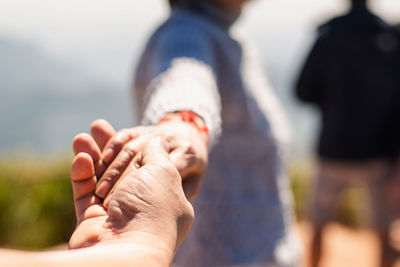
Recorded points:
(388, 254)
(316, 247)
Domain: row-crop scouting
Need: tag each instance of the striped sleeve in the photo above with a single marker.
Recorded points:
(183, 78)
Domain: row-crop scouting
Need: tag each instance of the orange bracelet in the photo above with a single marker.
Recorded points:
(189, 116)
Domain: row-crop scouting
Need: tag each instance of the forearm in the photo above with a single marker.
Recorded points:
(116, 254)
(187, 85)
(194, 124)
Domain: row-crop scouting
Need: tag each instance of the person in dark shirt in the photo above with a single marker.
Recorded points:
(352, 75)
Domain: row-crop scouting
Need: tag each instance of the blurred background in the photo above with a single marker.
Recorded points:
(64, 64)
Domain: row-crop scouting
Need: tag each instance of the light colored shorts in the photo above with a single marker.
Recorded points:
(332, 177)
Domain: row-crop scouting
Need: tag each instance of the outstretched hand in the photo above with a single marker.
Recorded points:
(146, 206)
(187, 149)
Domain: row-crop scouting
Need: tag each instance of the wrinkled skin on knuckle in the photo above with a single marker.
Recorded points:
(118, 141)
(117, 213)
(112, 175)
(130, 149)
(116, 144)
(152, 194)
(167, 176)
(125, 205)
(165, 169)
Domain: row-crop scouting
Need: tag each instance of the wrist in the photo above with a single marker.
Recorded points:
(154, 244)
(191, 119)
(154, 248)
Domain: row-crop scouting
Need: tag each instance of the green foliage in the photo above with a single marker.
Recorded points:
(36, 208)
(35, 203)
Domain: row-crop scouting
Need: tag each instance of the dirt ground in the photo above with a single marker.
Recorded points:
(344, 247)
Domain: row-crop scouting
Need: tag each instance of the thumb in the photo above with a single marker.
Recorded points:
(184, 158)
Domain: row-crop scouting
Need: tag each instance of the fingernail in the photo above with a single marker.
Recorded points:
(107, 155)
(103, 188)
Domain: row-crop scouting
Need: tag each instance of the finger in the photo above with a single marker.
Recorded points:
(118, 166)
(85, 143)
(83, 183)
(134, 164)
(185, 160)
(115, 145)
(154, 157)
(102, 132)
(190, 167)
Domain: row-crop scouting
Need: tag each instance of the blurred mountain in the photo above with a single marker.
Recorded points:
(25, 67)
(44, 101)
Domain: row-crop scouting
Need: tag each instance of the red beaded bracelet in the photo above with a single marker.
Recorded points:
(189, 116)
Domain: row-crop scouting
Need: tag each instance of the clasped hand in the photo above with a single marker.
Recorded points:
(187, 149)
(146, 171)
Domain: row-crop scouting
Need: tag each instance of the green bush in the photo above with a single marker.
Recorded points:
(35, 203)
(37, 209)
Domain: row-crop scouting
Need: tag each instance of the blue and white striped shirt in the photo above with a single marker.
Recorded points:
(244, 209)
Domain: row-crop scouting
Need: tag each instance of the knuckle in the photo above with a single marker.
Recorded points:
(168, 168)
(130, 149)
(117, 143)
(123, 137)
(111, 175)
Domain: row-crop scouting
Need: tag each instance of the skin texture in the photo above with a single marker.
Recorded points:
(148, 192)
(146, 220)
(187, 149)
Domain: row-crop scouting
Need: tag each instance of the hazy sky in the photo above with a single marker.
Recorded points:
(108, 34)
(105, 37)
